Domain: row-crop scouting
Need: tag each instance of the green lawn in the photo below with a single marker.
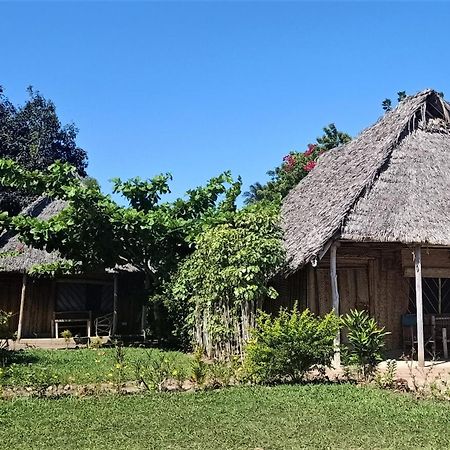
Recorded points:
(77, 366)
(285, 417)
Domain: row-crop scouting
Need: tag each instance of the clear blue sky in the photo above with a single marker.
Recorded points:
(198, 88)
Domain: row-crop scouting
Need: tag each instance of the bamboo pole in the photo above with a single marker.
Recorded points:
(419, 306)
(22, 306)
(335, 299)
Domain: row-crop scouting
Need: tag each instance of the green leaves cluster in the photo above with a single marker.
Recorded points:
(366, 341)
(286, 347)
(217, 289)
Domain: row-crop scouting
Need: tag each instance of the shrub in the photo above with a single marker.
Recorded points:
(5, 334)
(160, 367)
(286, 347)
(365, 342)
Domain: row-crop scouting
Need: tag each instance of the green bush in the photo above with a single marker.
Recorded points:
(286, 347)
(365, 343)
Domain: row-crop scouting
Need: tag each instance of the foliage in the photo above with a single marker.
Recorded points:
(82, 366)
(286, 347)
(217, 290)
(366, 342)
(386, 104)
(118, 371)
(156, 369)
(33, 136)
(94, 231)
(5, 334)
(295, 166)
(388, 378)
(199, 367)
(67, 336)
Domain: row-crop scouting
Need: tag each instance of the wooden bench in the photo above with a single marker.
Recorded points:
(74, 318)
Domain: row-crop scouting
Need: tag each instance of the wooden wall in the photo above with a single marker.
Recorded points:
(40, 297)
(10, 289)
(370, 277)
(38, 308)
(290, 290)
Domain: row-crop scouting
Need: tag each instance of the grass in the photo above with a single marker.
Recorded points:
(277, 418)
(77, 366)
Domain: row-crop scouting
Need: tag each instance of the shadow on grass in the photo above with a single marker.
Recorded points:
(8, 357)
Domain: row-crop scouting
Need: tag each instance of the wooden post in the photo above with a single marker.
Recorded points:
(22, 306)
(335, 298)
(144, 320)
(115, 304)
(419, 306)
(445, 342)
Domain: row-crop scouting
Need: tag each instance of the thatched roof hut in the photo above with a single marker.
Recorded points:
(105, 301)
(380, 199)
(390, 184)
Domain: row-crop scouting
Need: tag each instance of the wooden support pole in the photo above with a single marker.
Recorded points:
(335, 299)
(445, 343)
(22, 306)
(419, 306)
(115, 304)
(144, 321)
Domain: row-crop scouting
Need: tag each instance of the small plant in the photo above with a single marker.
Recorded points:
(286, 347)
(5, 334)
(199, 367)
(119, 367)
(156, 371)
(366, 342)
(220, 374)
(96, 343)
(67, 336)
(388, 378)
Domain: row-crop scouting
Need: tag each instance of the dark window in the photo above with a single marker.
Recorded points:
(435, 295)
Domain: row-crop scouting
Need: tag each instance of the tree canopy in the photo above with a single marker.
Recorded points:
(295, 166)
(93, 231)
(33, 136)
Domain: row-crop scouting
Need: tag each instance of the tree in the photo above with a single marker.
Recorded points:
(94, 231)
(295, 167)
(33, 136)
(219, 288)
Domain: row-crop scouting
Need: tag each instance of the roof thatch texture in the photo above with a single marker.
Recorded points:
(17, 257)
(390, 184)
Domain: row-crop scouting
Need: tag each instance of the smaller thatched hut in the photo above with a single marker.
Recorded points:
(108, 302)
(369, 227)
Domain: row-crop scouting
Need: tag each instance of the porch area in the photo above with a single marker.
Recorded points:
(405, 288)
(106, 305)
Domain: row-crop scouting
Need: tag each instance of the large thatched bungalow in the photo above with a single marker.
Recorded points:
(369, 227)
(105, 303)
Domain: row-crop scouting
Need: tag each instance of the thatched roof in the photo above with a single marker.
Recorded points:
(390, 184)
(17, 257)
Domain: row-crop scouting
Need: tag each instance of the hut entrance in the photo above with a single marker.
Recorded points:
(82, 305)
